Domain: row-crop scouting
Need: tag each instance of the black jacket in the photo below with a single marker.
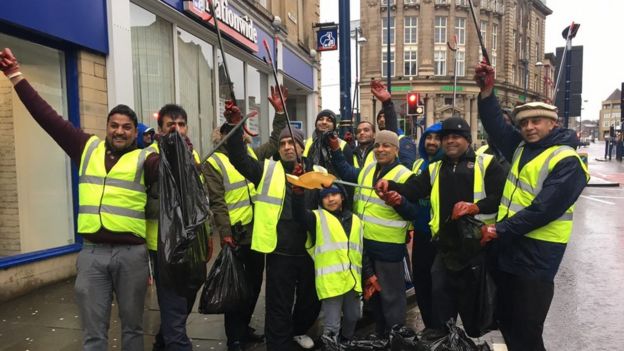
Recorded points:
(456, 184)
(521, 255)
(291, 235)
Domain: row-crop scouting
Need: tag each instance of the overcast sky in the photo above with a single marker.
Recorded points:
(603, 49)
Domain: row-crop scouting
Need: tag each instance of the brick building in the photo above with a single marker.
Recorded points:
(423, 62)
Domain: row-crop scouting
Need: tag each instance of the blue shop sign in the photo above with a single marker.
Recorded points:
(327, 39)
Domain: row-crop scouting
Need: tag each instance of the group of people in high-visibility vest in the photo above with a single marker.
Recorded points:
(324, 250)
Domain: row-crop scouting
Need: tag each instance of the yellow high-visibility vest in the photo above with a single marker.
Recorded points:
(370, 157)
(416, 166)
(337, 258)
(522, 186)
(239, 192)
(482, 163)
(381, 222)
(268, 206)
(115, 199)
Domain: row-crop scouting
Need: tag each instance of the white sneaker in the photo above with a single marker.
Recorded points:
(304, 341)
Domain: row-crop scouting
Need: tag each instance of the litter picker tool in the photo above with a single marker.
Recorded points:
(269, 60)
(319, 179)
(225, 67)
(229, 134)
(484, 52)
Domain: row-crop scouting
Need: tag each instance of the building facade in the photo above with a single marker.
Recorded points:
(145, 54)
(610, 114)
(432, 41)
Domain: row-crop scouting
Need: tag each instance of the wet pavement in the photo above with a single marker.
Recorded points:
(587, 312)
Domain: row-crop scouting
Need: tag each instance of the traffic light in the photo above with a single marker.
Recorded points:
(414, 108)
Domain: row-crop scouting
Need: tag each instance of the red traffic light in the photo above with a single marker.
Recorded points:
(413, 100)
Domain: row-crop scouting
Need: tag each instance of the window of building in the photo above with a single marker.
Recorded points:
(384, 63)
(410, 60)
(152, 63)
(484, 28)
(439, 58)
(385, 2)
(461, 2)
(441, 2)
(538, 54)
(461, 63)
(411, 30)
(494, 36)
(384, 31)
(460, 30)
(411, 2)
(493, 63)
(37, 205)
(257, 95)
(196, 85)
(513, 74)
(440, 30)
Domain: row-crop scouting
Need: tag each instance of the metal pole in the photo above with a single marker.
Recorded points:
(568, 83)
(344, 35)
(388, 61)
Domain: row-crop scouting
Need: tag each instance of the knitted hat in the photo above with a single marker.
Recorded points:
(327, 113)
(297, 134)
(334, 189)
(535, 109)
(458, 126)
(387, 136)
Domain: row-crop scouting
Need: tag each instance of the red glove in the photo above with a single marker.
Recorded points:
(484, 76)
(232, 112)
(298, 170)
(488, 232)
(463, 208)
(275, 100)
(229, 241)
(348, 137)
(392, 198)
(189, 143)
(333, 142)
(8, 62)
(379, 90)
(381, 187)
(371, 286)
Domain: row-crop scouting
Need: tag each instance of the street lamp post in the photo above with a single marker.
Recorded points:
(356, 90)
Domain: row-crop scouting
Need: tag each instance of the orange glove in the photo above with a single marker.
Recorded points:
(232, 113)
(484, 76)
(488, 232)
(229, 241)
(381, 187)
(371, 286)
(379, 90)
(463, 208)
(8, 62)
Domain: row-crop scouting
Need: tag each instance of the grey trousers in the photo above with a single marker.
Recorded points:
(390, 304)
(104, 269)
(348, 305)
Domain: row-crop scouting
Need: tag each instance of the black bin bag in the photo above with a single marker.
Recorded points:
(458, 242)
(455, 340)
(226, 288)
(182, 233)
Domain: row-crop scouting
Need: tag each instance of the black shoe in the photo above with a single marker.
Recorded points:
(252, 336)
(236, 346)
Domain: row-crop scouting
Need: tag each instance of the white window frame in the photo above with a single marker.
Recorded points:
(461, 63)
(411, 29)
(384, 63)
(439, 31)
(460, 32)
(411, 59)
(442, 70)
(384, 36)
(483, 26)
(494, 36)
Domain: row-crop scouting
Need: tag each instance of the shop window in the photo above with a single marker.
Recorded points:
(257, 96)
(37, 208)
(196, 85)
(236, 69)
(152, 63)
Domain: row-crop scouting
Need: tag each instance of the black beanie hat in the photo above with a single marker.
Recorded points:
(327, 113)
(456, 125)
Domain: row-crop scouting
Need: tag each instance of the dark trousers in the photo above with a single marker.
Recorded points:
(175, 306)
(423, 254)
(523, 306)
(389, 305)
(237, 322)
(289, 281)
